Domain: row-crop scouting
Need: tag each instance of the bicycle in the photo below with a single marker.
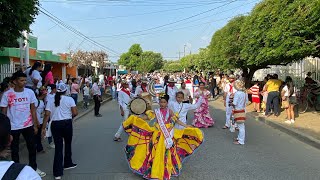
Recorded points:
(307, 98)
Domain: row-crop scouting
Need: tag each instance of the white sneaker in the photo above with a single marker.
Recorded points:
(58, 177)
(288, 121)
(41, 173)
(52, 145)
(292, 121)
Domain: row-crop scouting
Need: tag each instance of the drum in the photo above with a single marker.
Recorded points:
(148, 98)
(138, 106)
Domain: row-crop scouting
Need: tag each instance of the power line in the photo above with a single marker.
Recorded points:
(141, 14)
(61, 23)
(132, 3)
(167, 24)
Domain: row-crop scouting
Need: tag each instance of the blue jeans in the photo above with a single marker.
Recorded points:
(273, 99)
(75, 98)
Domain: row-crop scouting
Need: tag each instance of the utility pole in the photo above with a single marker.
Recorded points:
(184, 50)
(26, 44)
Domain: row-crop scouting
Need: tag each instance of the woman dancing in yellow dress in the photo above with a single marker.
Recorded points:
(157, 152)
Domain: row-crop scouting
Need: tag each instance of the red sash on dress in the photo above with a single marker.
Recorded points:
(126, 91)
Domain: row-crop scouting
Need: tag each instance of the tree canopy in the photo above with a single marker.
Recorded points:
(276, 32)
(15, 16)
(172, 66)
(137, 59)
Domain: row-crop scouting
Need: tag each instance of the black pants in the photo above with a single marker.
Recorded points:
(62, 131)
(28, 135)
(97, 104)
(38, 140)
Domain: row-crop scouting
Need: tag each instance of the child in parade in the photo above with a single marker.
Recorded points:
(202, 114)
(157, 152)
(181, 108)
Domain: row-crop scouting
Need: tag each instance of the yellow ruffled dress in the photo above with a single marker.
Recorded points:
(146, 152)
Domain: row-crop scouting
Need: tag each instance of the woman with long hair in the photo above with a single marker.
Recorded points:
(61, 112)
(47, 76)
(288, 94)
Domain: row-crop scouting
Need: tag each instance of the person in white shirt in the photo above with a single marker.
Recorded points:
(61, 111)
(229, 90)
(95, 90)
(34, 79)
(18, 104)
(239, 103)
(9, 169)
(142, 87)
(40, 113)
(86, 94)
(182, 108)
(123, 100)
(171, 89)
(50, 97)
(288, 94)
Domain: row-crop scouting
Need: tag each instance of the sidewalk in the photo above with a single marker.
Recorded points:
(306, 127)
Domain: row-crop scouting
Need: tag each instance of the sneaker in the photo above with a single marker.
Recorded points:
(41, 173)
(292, 121)
(70, 167)
(58, 177)
(288, 121)
(99, 115)
(52, 145)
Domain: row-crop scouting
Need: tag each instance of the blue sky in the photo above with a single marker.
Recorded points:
(165, 26)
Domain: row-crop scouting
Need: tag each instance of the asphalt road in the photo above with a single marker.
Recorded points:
(267, 154)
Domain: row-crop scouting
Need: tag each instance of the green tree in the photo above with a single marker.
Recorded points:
(150, 61)
(136, 59)
(278, 32)
(172, 67)
(15, 16)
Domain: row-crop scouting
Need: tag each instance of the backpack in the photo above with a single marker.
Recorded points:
(13, 171)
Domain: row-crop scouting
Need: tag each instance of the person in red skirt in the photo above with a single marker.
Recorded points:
(254, 90)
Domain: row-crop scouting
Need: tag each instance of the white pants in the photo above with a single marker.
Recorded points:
(242, 133)
(125, 117)
(228, 115)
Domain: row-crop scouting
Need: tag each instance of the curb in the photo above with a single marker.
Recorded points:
(290, 131)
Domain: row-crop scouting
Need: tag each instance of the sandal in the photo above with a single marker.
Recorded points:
(117, 139)
(235, 139)
(225, 127)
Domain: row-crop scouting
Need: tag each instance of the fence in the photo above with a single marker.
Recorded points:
(6, 70)
(296, 70)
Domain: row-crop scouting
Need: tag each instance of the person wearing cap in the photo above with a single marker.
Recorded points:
(61, 112)
(229, 90)
(171, 89)
(309, 80)
(124, 99)
(18, 104)
(95, 90)
(10, 169)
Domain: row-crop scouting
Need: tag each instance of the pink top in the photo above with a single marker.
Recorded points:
(74, 88)
(49, 77)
